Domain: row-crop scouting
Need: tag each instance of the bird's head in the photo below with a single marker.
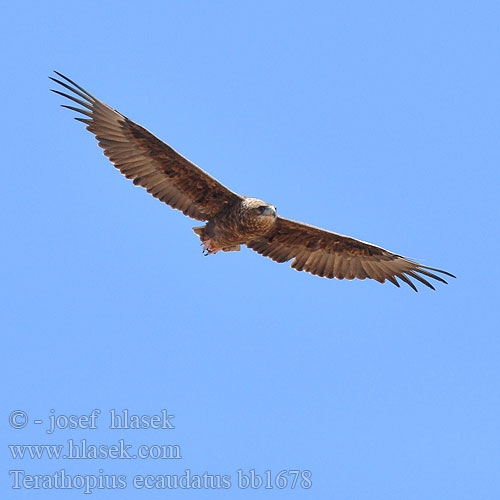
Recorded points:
(258, 216)
(259, 208)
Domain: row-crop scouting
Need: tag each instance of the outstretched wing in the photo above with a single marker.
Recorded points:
(151, 163)
(332, 255)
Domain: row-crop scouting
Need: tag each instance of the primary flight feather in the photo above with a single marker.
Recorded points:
(232, 219)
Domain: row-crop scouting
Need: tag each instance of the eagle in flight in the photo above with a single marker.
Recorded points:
(232, 219)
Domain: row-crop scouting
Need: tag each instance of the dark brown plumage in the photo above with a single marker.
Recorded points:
(234, 220)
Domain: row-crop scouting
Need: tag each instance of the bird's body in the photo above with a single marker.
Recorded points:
(237, 224)
(232, 219)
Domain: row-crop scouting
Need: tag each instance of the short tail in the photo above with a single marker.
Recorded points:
(200, 231)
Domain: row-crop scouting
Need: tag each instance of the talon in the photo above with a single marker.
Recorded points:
(206, 248)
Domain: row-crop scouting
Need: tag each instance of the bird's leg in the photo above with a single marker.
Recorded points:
(206, 247)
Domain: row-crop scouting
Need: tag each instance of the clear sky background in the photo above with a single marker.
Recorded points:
(375, 119)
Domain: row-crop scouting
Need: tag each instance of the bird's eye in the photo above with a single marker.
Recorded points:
(262, 209)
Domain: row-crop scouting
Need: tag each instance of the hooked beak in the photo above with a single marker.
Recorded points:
(269, 211)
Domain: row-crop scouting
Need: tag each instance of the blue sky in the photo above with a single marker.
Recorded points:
(374, 119)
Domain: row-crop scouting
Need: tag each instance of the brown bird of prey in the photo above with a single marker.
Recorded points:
(232, 219)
